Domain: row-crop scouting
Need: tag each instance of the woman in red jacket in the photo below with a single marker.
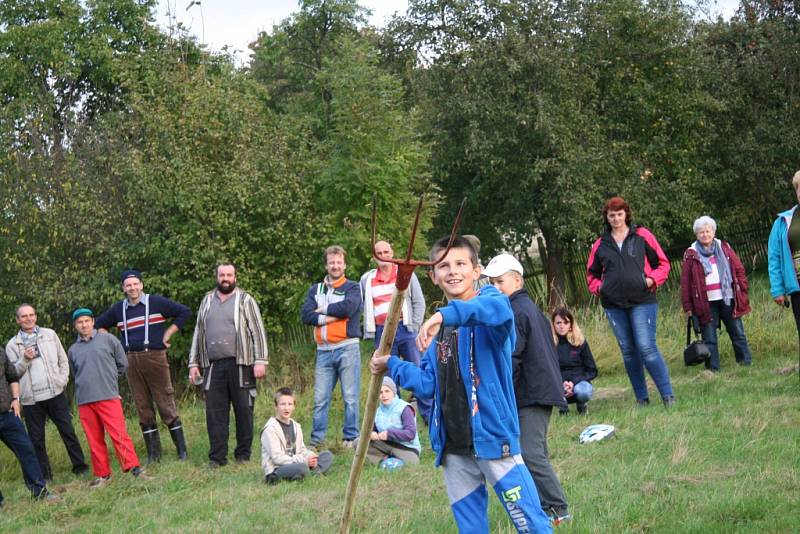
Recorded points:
(713, 287)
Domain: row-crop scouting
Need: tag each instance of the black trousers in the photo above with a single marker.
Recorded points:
(223, 389)
(57, 409)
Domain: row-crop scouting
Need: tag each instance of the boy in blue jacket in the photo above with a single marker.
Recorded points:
(474, 426)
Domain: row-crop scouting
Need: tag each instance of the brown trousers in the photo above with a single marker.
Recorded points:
(148, 375)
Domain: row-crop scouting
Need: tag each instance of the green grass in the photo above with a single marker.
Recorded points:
(725, 459)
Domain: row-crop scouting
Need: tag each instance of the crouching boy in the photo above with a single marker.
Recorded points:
(284, 455)
(466, 369)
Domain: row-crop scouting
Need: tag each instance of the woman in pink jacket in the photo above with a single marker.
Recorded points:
(625, 267)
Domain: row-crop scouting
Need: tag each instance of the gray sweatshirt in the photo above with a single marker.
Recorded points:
(96, 364)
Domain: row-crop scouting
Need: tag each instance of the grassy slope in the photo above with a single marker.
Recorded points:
(725, 459)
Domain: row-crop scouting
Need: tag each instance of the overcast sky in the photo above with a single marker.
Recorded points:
(236, 23)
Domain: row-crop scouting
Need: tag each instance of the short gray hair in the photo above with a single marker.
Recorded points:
(704, 221)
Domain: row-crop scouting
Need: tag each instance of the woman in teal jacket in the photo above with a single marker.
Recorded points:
(784, 257)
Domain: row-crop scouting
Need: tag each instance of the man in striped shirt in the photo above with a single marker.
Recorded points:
(142, 323)
(377, 288)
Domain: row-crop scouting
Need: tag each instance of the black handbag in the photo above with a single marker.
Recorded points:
(696, 352)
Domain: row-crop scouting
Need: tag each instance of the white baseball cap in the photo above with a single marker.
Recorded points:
(501, 264)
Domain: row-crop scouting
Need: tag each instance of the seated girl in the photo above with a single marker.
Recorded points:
(395, 432)
(575, 359)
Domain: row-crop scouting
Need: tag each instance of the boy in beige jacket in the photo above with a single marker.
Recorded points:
(284, 455)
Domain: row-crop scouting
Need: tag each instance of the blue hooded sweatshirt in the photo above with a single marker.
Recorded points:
(487, 317)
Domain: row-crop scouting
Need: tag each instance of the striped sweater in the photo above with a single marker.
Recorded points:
(251, 339)
(159, 309)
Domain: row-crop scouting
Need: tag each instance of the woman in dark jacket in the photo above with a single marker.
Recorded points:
(713, 287)
(574, 358)
(625, 267)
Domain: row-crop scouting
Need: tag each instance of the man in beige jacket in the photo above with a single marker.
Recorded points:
(39, 359)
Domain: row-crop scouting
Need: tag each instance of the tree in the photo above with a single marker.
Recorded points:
(321, 71)
(538, 111)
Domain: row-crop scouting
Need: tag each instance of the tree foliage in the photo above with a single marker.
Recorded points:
(321, 68)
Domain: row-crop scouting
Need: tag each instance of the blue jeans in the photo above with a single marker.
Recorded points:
(12, 433)
(735, 331)
(342, 364)
(635, 330)
(405, 346)
(583, 391)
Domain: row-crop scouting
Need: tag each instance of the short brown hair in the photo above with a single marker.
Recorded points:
(283, 392)
(617, 204)
(23, 305)
(458, 242)
(334, 249)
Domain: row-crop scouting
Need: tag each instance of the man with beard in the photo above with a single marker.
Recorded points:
(377, 287)
(230, 347)
(142, 323)
(333, 307)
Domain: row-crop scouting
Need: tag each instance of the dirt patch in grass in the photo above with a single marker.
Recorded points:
(789, 370)
(710, 475)
(609, 393)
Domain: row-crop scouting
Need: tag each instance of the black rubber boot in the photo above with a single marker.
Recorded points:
(176, 432)
(153, 443)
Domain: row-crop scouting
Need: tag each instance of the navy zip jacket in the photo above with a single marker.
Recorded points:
(618, 275)
(537, 378)
(577, 363)
(161, 309)
(487, 320)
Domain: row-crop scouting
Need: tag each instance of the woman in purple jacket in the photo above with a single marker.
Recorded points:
(713, 287)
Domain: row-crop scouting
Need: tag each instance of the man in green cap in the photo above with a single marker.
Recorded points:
(97, 361)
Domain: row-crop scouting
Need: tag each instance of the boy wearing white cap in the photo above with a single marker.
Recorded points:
(537, 381)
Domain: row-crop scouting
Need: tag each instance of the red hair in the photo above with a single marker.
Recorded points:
(617, 204)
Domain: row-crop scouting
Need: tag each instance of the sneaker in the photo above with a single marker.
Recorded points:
(99, 482)
(564, 411)
(350, 443)
(140, 473)
(583, 408)
(641, 403)
(669, 401)
(559, 516)
(47, 496)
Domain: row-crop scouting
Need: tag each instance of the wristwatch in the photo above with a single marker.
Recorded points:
(14, 399)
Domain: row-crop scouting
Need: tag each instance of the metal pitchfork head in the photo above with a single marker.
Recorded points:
(405, 267)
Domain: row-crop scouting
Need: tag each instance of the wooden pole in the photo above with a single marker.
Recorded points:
(371, 405)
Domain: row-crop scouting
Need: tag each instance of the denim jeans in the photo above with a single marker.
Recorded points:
(405, 346)
(342, 364)
(12, 433)
(583, 391)
(635, 330)
(735, 330)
